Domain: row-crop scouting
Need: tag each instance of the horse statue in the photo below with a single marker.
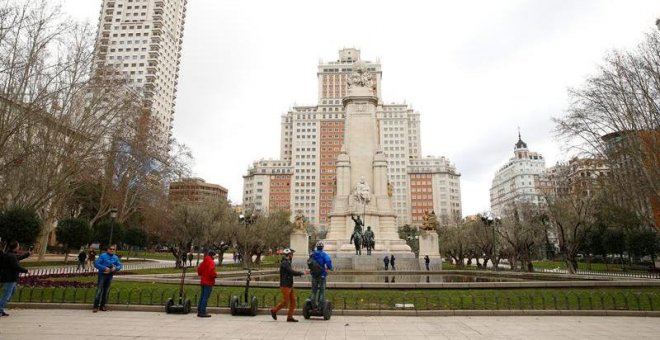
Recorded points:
(356, 238)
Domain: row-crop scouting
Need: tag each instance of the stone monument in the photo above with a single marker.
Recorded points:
(362, 186)
(298, 240)
(428, 241)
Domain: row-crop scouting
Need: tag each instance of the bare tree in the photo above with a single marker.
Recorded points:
(55, 114)
(615, 115)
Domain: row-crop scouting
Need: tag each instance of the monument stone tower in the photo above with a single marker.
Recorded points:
(362, 186)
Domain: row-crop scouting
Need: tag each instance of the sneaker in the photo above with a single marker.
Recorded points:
(104, 309)
(291, 320)
(95, 310)
(273, 314)
(3, 314)
(204, 315)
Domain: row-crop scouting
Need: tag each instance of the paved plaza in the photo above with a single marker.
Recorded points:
(46, 324)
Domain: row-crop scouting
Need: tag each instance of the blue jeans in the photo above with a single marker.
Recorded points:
(102, 290)
(9, 290)
(318, 285)
(204, 299)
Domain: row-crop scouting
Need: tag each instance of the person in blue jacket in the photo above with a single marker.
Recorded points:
(318, 282)
(107, 264)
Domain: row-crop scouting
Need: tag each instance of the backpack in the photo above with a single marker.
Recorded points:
(314, 266)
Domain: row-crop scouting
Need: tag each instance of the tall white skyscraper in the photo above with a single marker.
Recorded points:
(141, 40)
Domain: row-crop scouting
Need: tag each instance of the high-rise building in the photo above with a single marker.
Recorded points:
(312, 138)
(515, 182)
(141, 40)
(434, 186)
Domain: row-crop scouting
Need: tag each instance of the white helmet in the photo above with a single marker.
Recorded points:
(288, 251)
(319, 245)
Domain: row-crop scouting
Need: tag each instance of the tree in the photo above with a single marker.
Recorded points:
(56, 110)
(522, 230)
(572, 219)
(615, 115)
(454, 243)
(101, 232)
(19, 224)
(204, 224)
(73, 233)
(484, 236)
(258, 233)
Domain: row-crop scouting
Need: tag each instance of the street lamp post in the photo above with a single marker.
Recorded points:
(113, 216)
(244, 219)
(491, 221)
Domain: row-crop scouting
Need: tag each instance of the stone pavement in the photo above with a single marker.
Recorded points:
(46, 324)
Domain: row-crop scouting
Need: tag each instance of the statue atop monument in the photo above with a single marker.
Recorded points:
(362, 192)
(299, 223)
(361, 77)
(430, 221)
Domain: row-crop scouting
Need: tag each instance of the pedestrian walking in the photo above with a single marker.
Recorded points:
(386, 261)
(207, 275)
(190, 258)
(107, 264)
(11, 269)
(286, 287)
(392, 261)
(427, 261)
(82, 257)
(91, 258)
(184, 258)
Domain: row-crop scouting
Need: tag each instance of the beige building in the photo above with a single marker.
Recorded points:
(196, 190)
(267, 186)
(141, 40)
(312, 137)
(434, 186)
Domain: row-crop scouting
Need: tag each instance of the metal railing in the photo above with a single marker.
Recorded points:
(554, 300)
(42, 271)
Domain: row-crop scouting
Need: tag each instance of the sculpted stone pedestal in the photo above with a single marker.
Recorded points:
(300, 244)
(428, 245)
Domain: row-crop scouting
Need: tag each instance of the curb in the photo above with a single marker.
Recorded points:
(456, 312)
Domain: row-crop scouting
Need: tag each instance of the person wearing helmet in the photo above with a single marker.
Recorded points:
(318, 281)
(286, 286)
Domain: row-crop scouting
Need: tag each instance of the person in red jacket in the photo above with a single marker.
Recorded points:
(207, 275)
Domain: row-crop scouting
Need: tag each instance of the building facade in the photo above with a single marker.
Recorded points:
(196, 190)
(267, 186)
(141, 40)
(515, 182)
(312, 138)
(434, 186)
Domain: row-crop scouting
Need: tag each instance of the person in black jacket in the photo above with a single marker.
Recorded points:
(9, 274)
(286, 286)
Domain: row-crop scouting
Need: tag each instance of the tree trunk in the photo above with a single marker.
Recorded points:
(571, 265)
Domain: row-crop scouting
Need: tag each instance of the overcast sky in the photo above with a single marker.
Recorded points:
(475, 70)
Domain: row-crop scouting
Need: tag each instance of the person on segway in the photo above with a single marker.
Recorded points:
(319, 276)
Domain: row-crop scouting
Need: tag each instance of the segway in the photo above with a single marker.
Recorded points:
(183, 304)
(325, 310)
(244, 308)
